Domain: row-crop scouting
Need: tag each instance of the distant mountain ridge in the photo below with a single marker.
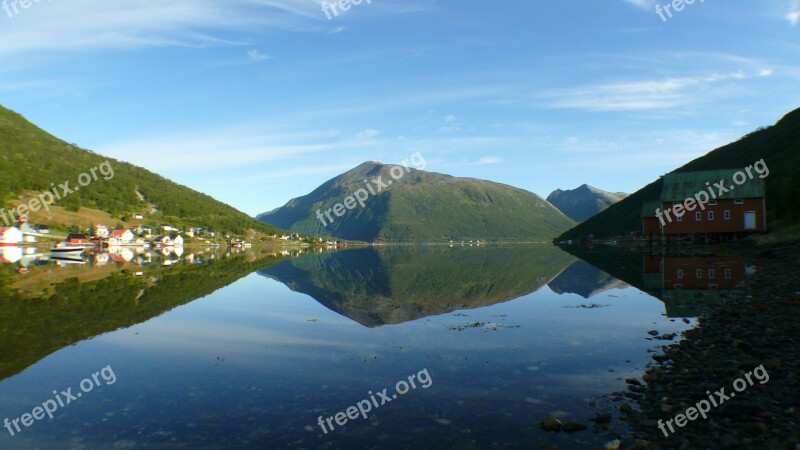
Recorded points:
(583, 202)
(422, 207)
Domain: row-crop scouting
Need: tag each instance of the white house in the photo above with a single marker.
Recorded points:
(138, 216)
(101, 231)
(120, 237)
(10, 236)
(163, 241)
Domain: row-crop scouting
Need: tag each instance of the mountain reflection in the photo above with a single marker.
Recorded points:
(49, 305)
(583, 279)
(378, 286)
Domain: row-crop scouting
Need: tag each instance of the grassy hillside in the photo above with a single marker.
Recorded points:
(423, 207)
(31, 159)
(778, 145)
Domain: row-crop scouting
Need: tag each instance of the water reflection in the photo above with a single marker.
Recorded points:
(60, 301)
(685, 283)
(583, 279)
(208, 357)
(380, 286)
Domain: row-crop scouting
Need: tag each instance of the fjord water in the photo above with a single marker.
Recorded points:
(248, 352)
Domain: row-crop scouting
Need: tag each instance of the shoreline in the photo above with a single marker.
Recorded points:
(755, 326)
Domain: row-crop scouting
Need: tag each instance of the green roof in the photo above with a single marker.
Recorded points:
(678, 187)
(649, 209)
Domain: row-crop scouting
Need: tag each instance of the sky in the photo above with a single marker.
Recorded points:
(256, 102)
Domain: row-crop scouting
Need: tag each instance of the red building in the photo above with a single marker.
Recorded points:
(702, 273)
(712, 202)
(75, 239)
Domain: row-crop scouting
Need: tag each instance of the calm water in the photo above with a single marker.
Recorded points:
(248, 351)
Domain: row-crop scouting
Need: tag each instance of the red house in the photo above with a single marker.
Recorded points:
(75, 239)
(712, 202)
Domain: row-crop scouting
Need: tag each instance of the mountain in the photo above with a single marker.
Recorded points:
(378, 286)
(420, 207)
(33, 161)
(777, 145)
(584, 202)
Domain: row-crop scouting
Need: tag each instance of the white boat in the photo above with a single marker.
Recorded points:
(67, 250)
(63, 259)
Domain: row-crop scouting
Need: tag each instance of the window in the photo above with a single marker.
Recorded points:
(680, 218)
(712, 273)
(711, 215)
(728, 274)
(727, 214)
(699, 273)
(713, 286)
(712, 202)
(680, 273)
(677, 286)
(739, 201)
(698, 216)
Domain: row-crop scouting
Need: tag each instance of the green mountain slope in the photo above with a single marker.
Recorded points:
(777, 145)
(584, 202)
(31, 159)
(423, 207)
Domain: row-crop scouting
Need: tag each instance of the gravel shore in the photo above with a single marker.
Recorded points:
(758, 325)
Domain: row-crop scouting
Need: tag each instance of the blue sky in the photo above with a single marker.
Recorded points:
(258, 101)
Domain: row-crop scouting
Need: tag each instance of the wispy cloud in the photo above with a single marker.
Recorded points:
(255, 55)
(793, 16)
(451, 125)
(80, 25)
(644, 4)
(639, 95)
(491, 160)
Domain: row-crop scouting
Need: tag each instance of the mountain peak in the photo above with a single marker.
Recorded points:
(417, 206)
(584, 201)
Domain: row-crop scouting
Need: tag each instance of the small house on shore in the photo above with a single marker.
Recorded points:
(163, 241)
(120, 237)
(77, 239)
(730, 209)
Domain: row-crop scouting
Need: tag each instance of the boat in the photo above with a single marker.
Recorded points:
(67, 250)
(66, 259)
